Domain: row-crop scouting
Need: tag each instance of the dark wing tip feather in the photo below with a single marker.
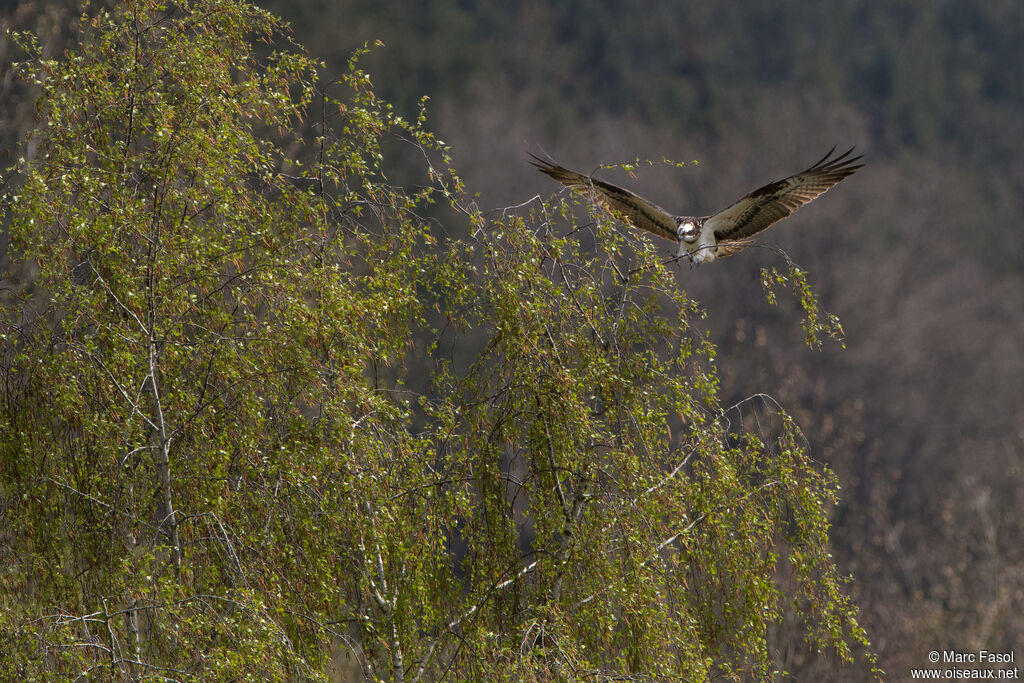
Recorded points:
(545, 165)
(840, 164)
(541, 162)
(822, 160)
(558, 173)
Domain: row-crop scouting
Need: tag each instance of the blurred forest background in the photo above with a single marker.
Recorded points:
(921, 254)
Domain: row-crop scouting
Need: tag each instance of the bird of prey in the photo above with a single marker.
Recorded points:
(705, 238)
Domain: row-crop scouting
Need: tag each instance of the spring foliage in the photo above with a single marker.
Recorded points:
(267, 411)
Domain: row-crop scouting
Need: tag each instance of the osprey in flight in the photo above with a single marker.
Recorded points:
(705, 238)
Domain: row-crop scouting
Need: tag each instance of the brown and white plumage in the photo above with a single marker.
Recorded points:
(705, 238)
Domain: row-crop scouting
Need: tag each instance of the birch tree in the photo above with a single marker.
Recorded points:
(268, 414)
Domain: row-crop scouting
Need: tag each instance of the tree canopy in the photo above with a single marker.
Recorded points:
(267, 410)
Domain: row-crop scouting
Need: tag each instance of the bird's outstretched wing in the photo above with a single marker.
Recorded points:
(777, 200)
(618, 201)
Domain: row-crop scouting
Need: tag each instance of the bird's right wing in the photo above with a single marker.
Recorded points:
(618, 201)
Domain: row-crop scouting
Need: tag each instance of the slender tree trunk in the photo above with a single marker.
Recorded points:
(131, 618)
(162, 450)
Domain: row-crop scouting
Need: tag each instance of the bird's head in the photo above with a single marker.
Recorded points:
(688, 229)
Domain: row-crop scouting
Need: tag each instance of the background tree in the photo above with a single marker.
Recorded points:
(261, 406)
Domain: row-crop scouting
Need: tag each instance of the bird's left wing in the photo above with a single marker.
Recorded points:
(618, 201)
(777, 200)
